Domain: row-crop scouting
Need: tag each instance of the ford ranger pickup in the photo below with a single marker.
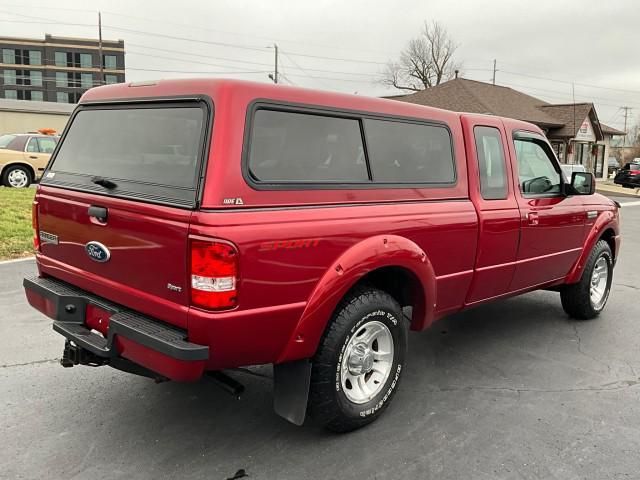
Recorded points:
(188, 227)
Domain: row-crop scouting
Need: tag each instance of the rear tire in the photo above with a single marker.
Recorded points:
(359, 362)
(16, 176)
(586, 299)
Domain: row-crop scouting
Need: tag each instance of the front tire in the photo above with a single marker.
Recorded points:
(359, 362)
(586, 299)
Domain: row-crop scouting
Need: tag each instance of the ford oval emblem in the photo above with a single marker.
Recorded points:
(97, 252)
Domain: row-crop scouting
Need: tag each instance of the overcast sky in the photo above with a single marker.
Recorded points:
(343, 45)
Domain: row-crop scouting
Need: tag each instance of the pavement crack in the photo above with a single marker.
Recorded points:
(607, 387)
(579, 340)
(634, 287)
(35, 362)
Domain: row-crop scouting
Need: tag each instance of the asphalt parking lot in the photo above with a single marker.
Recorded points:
(509, 390)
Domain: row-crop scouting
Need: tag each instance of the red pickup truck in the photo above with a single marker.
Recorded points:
(186, 227)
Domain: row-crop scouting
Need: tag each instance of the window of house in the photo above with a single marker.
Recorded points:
(86, 80)
(61, 59)
(11, 94)
(8, 55)
(85, 60)
(110, 62)
(61, 79)
(37, 95)
(491, 163)
(402, 152)
(62, 97)
(9, 77)
(36, 78)
(299, 147)
(537, 172)
(35, 57)
(109, 79)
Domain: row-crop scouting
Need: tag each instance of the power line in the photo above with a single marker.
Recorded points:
(133, 52)
(568, 94)
(569, 83)
(299, 67)
(260, 37)
(185, 39)
(262, 49)
(42, 7)
(48, 23)
(336, 58)
(182, 52)
(296, 65)
(231, 45)
(194, 72)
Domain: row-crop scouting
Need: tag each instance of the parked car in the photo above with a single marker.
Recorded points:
(568, 170)
(629, 175)
(298, 228)
(613, 166)
(23, 157)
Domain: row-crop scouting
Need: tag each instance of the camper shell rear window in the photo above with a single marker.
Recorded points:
(144, 151)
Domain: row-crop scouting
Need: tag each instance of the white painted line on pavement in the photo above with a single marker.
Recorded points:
(16, 260)
(630, 204)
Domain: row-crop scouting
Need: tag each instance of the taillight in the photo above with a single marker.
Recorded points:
(214, 272)
(34, 224)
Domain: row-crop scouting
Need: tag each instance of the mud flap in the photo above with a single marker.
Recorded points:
(291, 389)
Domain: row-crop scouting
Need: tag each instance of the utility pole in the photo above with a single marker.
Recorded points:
(101, 60)
(274, 76)
(626, 114)
(493, 79)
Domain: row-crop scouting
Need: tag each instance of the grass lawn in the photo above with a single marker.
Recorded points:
(16, 235)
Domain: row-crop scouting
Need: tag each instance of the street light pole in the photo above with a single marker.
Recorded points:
(275, 72)
(100, 48)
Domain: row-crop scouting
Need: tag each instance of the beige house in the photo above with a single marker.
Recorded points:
(574, 130)
(21, 116)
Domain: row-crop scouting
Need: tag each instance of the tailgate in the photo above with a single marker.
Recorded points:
(114, 205)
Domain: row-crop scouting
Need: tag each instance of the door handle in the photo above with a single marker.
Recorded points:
(33, 156)
(98, 213)
(533, 219)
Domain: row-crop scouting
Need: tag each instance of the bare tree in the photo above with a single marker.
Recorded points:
(426, 61)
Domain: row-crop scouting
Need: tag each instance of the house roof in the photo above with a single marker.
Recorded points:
(463, 95)
(571, 116)
(607, 130)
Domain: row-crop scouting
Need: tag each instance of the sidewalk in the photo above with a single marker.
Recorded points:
(607, 187)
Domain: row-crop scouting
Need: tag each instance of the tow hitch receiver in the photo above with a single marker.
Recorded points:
(74, 355)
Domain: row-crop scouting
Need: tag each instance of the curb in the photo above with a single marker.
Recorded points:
(16, 260)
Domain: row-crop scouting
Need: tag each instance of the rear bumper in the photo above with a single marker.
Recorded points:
(154, 345)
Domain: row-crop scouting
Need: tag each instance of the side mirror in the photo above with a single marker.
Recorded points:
(583, 183)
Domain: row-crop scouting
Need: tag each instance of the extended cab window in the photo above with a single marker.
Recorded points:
(491, 165)
(402, 152)
(537, 173)
(151, 152)
(300, 147)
